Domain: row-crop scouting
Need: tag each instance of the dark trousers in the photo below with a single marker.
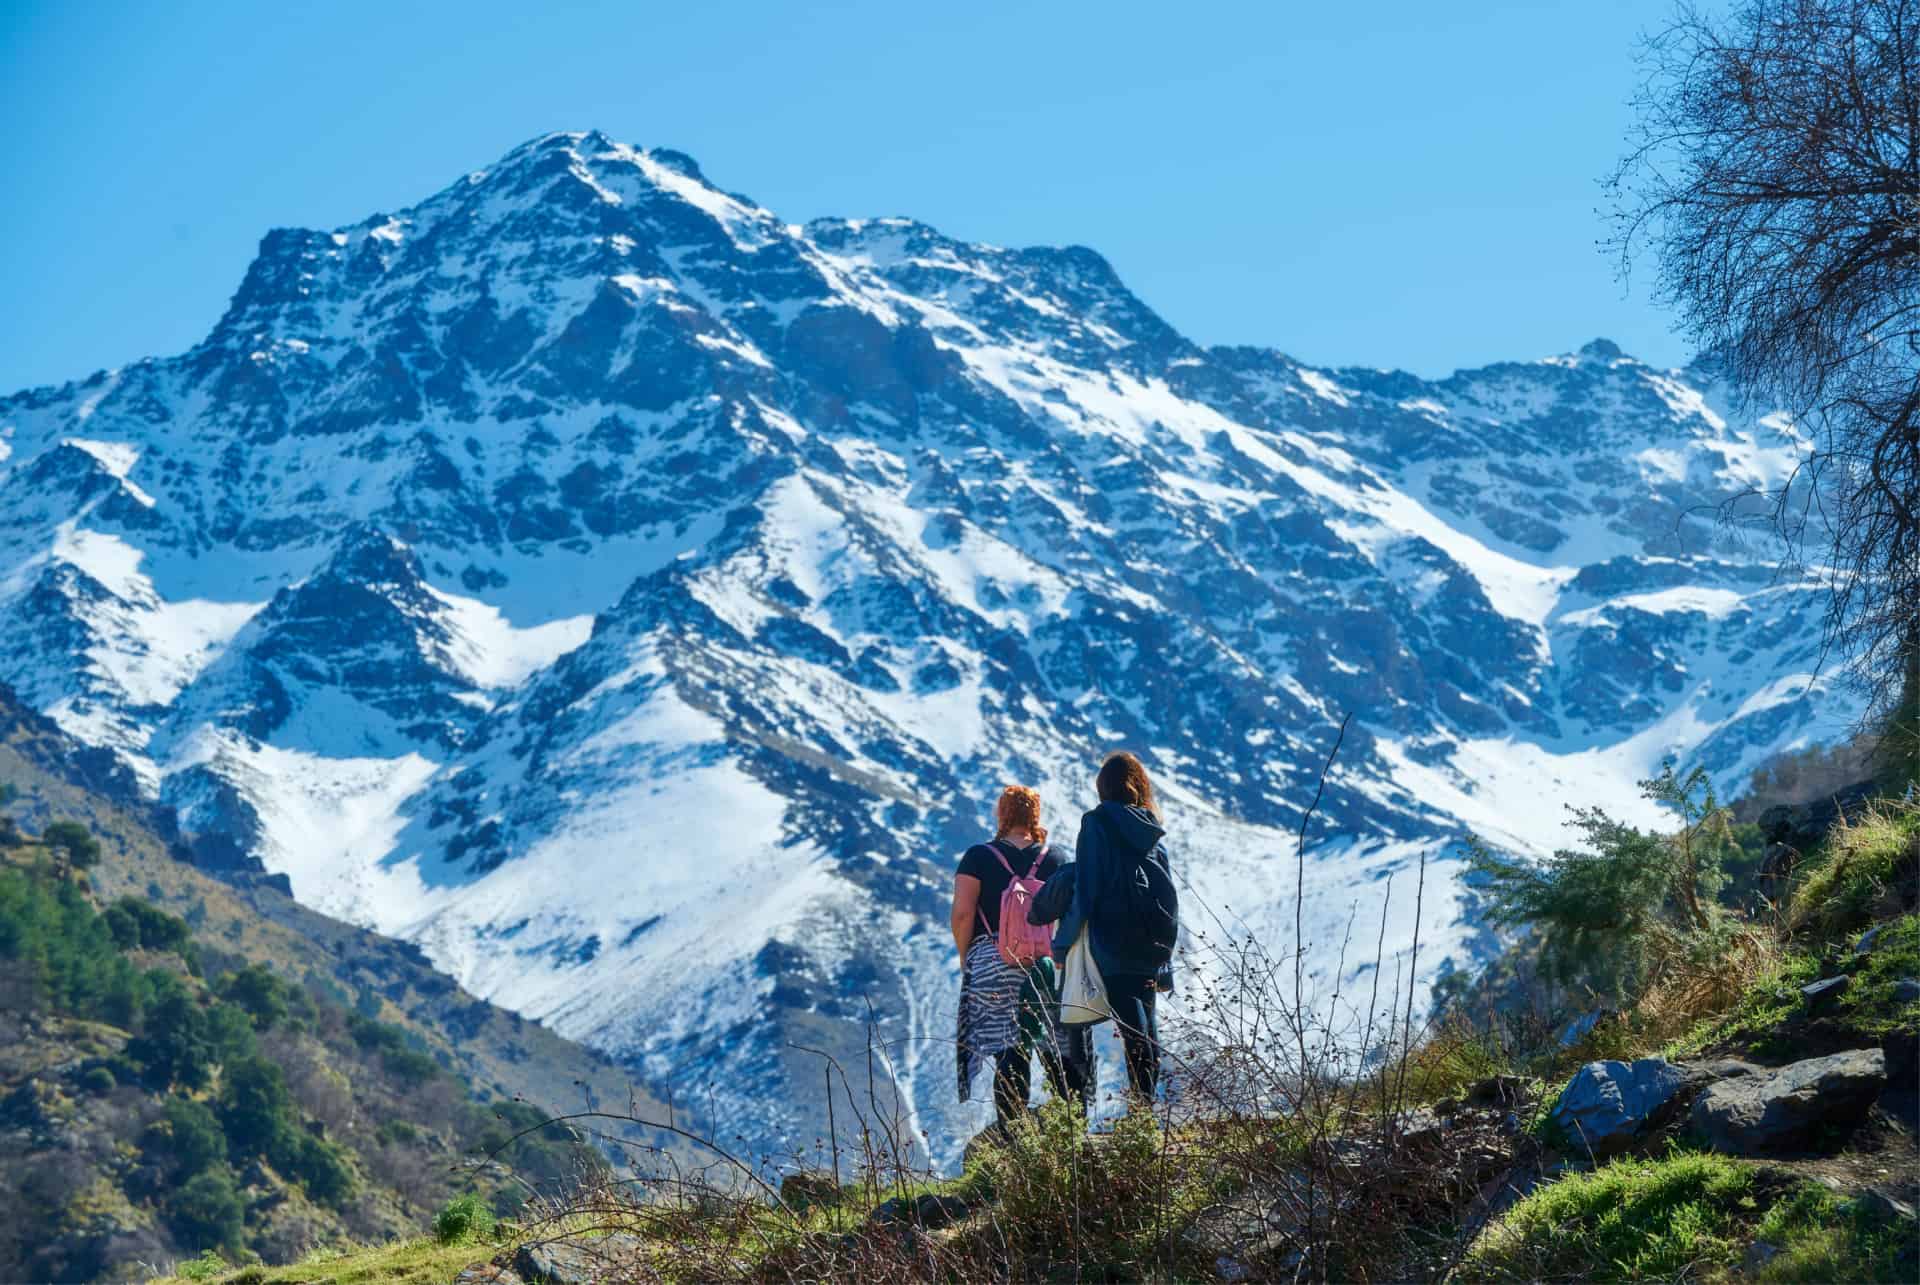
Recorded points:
(1069, 1072)
(1132, 997)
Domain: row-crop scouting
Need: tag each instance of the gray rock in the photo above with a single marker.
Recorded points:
(1906, 990)
(1821, 993)
(934, 1212)
(1608, 1105)
(577, 1262)
(1868, 940)
(1758, 1255)
(1783, 1110)
(1721, 1068)
(487, 1274)
(1885, 1207)
(1249, 1236)
(927, 1211)
(1419, 1127)
(889, 1213)
(1497, 1091)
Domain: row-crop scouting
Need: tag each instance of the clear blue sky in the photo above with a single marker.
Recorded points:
(1397, 184)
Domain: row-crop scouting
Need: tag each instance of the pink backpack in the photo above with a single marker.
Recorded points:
(1022, 944)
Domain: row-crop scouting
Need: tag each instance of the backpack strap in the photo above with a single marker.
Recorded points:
(1034, 869)
(993, 846)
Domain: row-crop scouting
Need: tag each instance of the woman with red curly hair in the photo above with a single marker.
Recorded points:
(1009, 998)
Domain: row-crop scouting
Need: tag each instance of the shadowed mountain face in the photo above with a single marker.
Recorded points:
(637, 601)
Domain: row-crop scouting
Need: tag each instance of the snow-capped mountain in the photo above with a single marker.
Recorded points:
(637, 601)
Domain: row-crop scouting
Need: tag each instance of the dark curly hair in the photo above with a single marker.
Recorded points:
(1123, 779)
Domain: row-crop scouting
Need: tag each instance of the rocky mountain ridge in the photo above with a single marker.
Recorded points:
(635, 601)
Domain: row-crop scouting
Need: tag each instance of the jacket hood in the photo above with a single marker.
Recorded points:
(1135, 826)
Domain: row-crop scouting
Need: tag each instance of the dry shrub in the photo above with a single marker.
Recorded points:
(1692, 985)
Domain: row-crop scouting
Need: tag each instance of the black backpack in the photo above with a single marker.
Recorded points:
(1140, 915)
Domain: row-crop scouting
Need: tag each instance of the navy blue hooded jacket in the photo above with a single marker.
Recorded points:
(1109, 844)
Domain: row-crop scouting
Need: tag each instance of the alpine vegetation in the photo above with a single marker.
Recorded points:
(629, 598)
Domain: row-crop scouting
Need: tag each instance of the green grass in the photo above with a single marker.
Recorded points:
(1868, 1005)
(1757, 1016)
(1690, 1216)
(1630, 1220)
(1822, 1238)
(1845, 884)
(424, 1261)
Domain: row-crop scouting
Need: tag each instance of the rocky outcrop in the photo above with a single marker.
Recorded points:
(1787, 1109)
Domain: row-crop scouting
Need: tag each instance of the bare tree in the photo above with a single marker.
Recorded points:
(1774, 177)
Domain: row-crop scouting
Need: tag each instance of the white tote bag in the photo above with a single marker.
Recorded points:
(1083, 996)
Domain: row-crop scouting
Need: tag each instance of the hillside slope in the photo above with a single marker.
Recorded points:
(413, 1057)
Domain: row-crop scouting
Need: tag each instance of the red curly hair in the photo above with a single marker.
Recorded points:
(1019, 809)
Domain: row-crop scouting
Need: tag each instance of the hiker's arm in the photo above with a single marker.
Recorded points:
(1054, 898)
(966, 901)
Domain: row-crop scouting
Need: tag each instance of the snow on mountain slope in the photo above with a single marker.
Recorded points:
(637, 600)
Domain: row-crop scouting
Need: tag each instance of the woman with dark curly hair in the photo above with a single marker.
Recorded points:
(1123, 893)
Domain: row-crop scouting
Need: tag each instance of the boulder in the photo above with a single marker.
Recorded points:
(1610, 1105)
(1906, 990)
(578, 1262)
(1885, 1207)
(1822, 993)
(1784, 1109)
(930, 1211)
(1497, 1091)
(1802, 825)
(934, 1212)
(808, 1189)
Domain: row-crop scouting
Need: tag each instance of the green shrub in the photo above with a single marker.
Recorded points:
(98, 1080)
(1109, 1205)
(185, 1140)
(255, 1109)
(462, 1219)
(410, 1067)
(69, 955)
(205, 1211)
(1629, 1220)
(257, 992)
(1607, 913)
(203, 1268)
(142, 925)
(72, 840)
(175, 1045)
(320, 1167)
(395, 1132)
